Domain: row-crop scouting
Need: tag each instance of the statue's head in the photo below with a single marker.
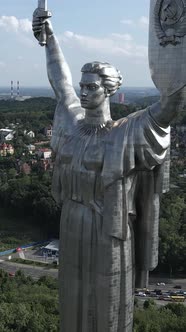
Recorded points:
(99, 81)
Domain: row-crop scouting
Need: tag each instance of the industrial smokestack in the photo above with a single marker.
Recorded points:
(12, 90)
(18, 90)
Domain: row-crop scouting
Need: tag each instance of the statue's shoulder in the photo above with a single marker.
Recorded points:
(130, 118)
(137, 114)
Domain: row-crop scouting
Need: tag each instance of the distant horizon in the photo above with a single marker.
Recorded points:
(48, 87)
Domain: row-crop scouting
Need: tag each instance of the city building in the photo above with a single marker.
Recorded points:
(48, 131)
(47, 164)
(30, 133)
(121, 98)
(44, 153)
(6, 149)
(6, 134)
(52, 248)
(31, 148)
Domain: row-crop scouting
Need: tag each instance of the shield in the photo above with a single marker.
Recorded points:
(167, 44)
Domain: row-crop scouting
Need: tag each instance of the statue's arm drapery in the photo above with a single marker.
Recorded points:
(140, 148)
(151, 140)
(168, 108)
(68, 109)
(151, 153)
(136, 143)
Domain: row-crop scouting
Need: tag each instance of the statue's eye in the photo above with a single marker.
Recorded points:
(92, 87)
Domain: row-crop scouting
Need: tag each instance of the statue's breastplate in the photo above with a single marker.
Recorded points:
(81, 163)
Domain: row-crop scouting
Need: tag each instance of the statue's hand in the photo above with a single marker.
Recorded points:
(39, 24)
(171, 105)
(175, 100)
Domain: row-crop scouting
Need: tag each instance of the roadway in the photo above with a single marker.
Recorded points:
(34, 271)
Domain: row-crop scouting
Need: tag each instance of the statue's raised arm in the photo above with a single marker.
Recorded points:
(68, 108)
(58, 70)
(167, 44)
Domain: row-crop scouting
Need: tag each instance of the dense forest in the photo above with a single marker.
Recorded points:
(168, 318)
(27, 305)
(36, 310)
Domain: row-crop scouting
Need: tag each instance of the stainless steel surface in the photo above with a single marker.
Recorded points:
(42, 13)
(108, 179)
(167, 44)
(42, 4)
(169, 21)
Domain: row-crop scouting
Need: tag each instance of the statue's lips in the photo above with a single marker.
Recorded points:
(84, 100)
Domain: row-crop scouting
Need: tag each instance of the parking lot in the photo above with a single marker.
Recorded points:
(161, 290)
(33, 271)
(164, 290)
(37, 255)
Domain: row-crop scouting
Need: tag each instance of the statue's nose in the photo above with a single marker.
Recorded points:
(84, 92)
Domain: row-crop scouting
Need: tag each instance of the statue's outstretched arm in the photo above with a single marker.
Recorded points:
(57, 68)
(166, 110)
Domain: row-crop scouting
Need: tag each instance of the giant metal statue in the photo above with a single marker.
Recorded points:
(108, 179)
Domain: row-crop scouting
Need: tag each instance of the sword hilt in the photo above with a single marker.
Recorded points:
(44, 14)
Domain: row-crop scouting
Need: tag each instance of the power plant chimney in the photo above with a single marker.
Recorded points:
(12, 90)
(18, 90)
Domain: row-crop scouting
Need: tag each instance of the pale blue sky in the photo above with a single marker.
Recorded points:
(112, 31)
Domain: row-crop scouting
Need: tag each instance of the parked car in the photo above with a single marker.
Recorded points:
(11, 274)
(172, 293)
(160, 284)
(167, 298)
(141, 294)
(164, 297)
(177, 286)
(158, 291)
(142, 290)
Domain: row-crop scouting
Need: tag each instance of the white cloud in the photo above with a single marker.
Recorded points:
(88, 42)
(127, 22)
(114, 44)
(126, 36)
(20, 27)
(25, 25)
(144, 21)
(11, 23)
(69, 34)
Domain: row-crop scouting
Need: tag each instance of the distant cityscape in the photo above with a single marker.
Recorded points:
(125, 95)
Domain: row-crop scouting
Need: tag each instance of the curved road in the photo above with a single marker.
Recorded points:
(34, 271)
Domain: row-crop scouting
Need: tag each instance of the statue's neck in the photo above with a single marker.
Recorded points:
(98, 116)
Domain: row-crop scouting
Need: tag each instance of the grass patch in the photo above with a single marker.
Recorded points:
(15, 232)
(33, 263)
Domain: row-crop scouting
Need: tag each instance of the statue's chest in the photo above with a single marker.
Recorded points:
(83, 153)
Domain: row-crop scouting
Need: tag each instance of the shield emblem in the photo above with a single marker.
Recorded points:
(167, 44)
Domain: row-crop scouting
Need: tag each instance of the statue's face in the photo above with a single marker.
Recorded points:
(92, 92)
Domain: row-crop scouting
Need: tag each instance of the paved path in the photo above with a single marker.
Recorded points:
(170, 283)
(159, 303)
(34, 271)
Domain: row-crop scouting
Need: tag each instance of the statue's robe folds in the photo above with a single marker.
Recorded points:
(108, 184)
